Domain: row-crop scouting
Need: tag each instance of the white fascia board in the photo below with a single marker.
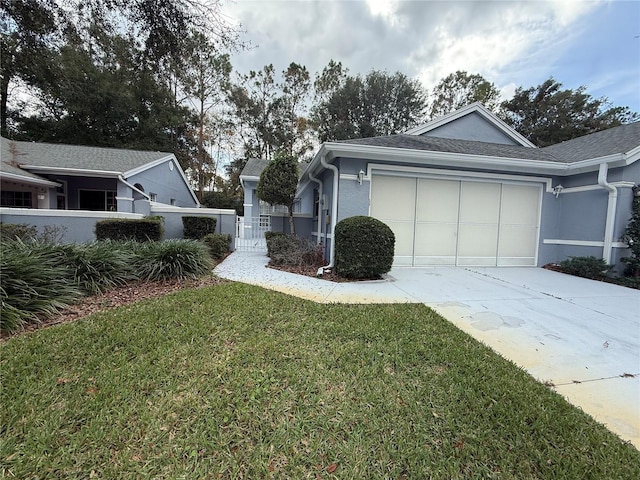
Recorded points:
(162, 207)
(149, 165)
(251, 178)
(474, 107)
(23, 179)
(632, 155)
(76, 172)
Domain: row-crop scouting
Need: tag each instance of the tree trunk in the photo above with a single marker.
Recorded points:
(292, 226)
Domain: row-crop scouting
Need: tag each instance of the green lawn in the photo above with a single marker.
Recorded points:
(234, 381)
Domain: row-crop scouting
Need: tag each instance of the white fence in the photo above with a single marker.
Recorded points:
(250, 233)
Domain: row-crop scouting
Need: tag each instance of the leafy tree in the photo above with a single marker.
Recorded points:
(356, 107)
(460, 89)
(547, 114)
(278, 183)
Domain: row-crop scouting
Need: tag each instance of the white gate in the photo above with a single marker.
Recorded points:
(250, 233)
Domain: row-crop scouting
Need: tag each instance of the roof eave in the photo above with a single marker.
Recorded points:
(25, 179)
(78, 172)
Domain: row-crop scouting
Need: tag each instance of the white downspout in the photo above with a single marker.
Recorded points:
(334, 212)
(121, 178)
(611, 212)
(320, 209)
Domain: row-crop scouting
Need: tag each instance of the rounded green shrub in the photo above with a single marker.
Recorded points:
(364, 247)
(197, 227)
(219, 244)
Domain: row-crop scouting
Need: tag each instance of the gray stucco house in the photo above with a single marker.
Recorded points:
(72, 177)
(467, 190)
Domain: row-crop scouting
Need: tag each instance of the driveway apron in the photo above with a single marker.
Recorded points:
(579, 336)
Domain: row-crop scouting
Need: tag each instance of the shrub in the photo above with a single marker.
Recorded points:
(632, 238)
(142, 230)
(196, 228)
(293, 251)
(35, 280)
(269, 237)
(100, 266)
(587, 267)
(219, 244)
(21, 231)
(364, 247)
(172, 259)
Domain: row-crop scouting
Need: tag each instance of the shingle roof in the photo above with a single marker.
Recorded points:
(615, 140)
(254, 167)
(75, 156)
(620, 139)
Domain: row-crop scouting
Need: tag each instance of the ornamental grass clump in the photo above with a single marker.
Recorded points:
(364, 247)
(35, 280)
(172, 259)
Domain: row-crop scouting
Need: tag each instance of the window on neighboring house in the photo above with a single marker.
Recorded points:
(173, 202)
(16, 199)
(97, 200)
(153, 197)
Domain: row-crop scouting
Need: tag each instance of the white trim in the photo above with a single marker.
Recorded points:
(350, 176)
(582, 243)
(252, 178)
(13, 177)
(47, 212)
(456, 174)
(125, 199)
(76, 172)
(147, 166)
(476, 107)
(247, 204)
(161, 207)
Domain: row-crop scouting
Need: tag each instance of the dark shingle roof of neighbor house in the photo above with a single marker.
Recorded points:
(255, 166)
(75, 156)
(607, 142)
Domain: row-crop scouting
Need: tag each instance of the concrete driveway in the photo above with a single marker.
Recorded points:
(579, 335)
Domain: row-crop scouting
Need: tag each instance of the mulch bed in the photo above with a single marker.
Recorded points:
(125, 295)
(312, 271)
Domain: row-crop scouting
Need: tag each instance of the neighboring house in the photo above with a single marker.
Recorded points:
(467, 190)
(72, 177)
(71, 187)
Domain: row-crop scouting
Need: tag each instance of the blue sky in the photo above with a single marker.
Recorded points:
(511, 43)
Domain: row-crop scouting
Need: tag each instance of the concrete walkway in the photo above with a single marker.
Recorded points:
(580, 335)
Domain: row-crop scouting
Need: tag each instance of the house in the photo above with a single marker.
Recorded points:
(73, 186)
(467, 190)
(72, 177)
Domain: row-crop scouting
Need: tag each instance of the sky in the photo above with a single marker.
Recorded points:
(595, 43)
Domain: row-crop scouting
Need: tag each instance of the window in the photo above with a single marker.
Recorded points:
(15, 199)
(153, 197)
(98, 200)
(173, 202)
(61, 195)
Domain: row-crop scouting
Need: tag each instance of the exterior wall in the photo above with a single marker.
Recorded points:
(74, 184)
(303, 225)
(226, 219)
(471, 127)
(251, 203)
(74, 226)
(17, 186)
(167, 183)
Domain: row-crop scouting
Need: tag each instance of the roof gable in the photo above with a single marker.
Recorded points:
(473, 122)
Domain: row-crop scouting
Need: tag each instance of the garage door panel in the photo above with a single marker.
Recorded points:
(403, 232)
(479, 202)
(438, 239)
(517, 241)
(478, 241)
(437, 200)
(520, 204)
(393, 198)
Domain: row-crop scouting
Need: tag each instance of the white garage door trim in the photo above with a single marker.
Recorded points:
(474, 222)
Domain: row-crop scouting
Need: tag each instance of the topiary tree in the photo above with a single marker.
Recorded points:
(278, 183)
(364, 247)
(632, 238)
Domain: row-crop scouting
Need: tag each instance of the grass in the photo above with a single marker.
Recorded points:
(234, 381)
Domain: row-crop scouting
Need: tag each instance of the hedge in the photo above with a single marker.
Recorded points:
(143, 230)
(197, 227)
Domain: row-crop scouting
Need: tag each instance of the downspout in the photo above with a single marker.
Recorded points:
(320, 209)
(121, 178)
(611, 212)
(334, 212)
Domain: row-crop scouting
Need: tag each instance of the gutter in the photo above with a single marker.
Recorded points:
(320, 209)
(334, 212)
(611, 211)
(121, 178)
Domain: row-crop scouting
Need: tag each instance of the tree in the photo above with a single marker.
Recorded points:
(460, 89)
(278, 183)
(206, 79)
(547, 114)
(356, 107)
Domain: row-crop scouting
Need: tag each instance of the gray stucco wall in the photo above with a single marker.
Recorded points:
(173, 228)
(167, 184)
(471, 127)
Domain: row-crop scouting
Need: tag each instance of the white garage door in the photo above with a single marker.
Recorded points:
(465, 223)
